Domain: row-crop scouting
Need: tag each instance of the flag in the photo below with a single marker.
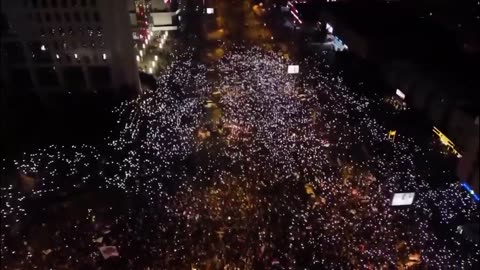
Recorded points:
(98, 240)
(392, 134)
(109, 251)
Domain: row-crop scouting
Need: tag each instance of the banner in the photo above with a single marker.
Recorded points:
(109, 251)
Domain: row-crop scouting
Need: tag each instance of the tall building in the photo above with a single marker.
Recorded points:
(67, 45)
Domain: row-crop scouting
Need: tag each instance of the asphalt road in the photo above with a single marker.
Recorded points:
(235, 22)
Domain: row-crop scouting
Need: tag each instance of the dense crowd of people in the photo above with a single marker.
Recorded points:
(296, 173)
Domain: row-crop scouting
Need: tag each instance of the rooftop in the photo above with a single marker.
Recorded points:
(395, 32)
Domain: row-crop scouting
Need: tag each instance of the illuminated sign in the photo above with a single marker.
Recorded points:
(210, 10)
(293, 69)
(329, 28)
(400, 94)
(470, 191)
(401, 199)
(338, 44)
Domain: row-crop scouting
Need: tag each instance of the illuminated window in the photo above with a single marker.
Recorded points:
(104, 56)
(40, 52)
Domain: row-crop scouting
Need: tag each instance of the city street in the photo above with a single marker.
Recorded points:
(234, 162)
(238, 22)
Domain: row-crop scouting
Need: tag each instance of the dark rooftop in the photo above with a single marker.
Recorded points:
(393, 32)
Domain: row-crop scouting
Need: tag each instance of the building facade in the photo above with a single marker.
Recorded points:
(152, 16)
(67, 45)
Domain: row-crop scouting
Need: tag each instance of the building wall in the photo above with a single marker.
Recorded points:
(68, 45)
(468, 167)
(120, 42)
